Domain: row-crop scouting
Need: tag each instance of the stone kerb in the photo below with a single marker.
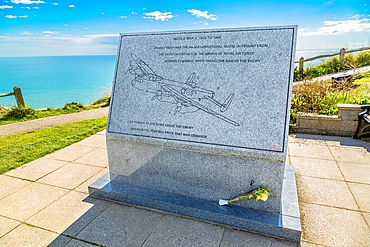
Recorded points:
(343, 124)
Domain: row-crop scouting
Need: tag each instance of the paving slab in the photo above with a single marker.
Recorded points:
(237, 238)
(121, 225)
(307, 139)
(316, 168)
(77, 243)
(307, 244)
(59, 215)
(9, 185)
(345, 141)
(71, 175)
(97, 140)
(361, 194)
(61, 240)
(84, 187)
(29, 200)
(332, 226)
(350, 154)
(37, 169)
(355, 172)
(98, 206)
(98, 157)
(367, 217)
(177, 231)
(71, 153)
(325, 192)
(6, 225)
(26, 235)
(310, 151)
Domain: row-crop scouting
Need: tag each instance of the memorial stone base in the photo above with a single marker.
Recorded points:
(191, 183)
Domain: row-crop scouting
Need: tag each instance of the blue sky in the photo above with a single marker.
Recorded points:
(77, 27)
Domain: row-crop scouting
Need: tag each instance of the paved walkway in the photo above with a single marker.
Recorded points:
(46, 202)
(36, 124)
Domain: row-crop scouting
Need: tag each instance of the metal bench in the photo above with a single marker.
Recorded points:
(363, 125)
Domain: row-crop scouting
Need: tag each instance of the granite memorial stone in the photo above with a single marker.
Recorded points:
(201, 115)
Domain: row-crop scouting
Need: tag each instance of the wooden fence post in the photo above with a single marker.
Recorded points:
(301, 64)
(342, 54)
(18, 96)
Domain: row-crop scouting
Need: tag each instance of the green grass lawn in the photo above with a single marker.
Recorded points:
(19, 149)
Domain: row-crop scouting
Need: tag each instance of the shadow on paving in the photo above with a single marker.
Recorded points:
(337, 140)
(112, 224)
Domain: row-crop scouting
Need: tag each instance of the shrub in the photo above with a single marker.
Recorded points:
(20, 112)
(323, 96)
(73, 106)
(103, 102)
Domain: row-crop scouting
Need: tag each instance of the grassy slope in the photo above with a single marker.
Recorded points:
(19, 115)
(22, 148)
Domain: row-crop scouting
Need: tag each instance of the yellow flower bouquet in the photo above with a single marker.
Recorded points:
(259, 194)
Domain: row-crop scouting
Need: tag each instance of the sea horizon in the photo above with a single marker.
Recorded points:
(52, 81)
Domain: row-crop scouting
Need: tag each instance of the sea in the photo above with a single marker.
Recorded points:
(52, 81)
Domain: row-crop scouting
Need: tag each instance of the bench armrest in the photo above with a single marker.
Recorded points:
(365, 107)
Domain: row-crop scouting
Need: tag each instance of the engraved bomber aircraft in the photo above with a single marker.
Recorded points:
(186, 96)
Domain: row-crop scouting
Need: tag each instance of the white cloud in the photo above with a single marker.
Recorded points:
(123, 17)
(23, 16)
(35, 7)
(86, 28)
(50, 32)
(102, 13)
(10, 16)
(203, 14)
(156, 15)
(133, 13)
(56, 4)
(357, 16)
(26, 33)
(6, 7)
(27, 1)
(47, 45)
(71, 6)
(339, 27)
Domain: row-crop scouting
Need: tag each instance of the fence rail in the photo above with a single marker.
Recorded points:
(17, 94)
(342, 53)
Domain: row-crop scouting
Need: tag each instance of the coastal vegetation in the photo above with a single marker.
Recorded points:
(19, 149)
(311, 95)
(333, 65)
(19, 114)
(322, 97)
